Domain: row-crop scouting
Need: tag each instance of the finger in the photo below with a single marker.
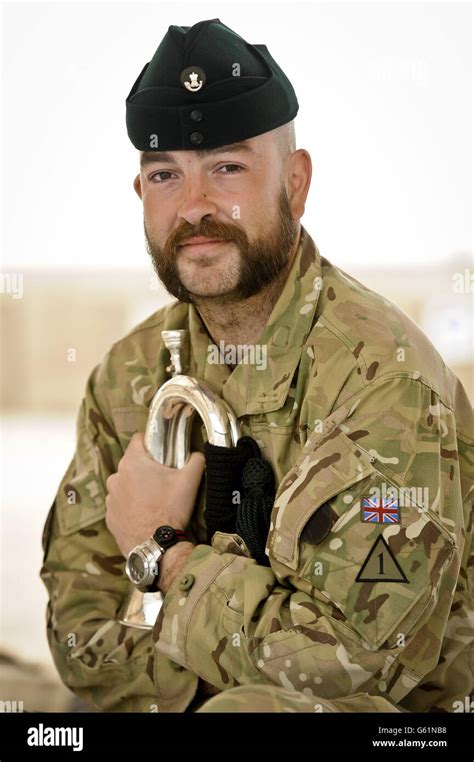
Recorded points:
(137, 442)
(110, 482)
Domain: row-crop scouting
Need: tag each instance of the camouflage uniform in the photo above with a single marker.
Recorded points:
(354, 397)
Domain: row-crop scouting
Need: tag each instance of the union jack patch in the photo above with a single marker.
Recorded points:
(380, 510)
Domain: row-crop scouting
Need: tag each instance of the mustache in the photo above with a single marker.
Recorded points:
(208, 228)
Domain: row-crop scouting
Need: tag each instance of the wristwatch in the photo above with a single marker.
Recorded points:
(143, 560)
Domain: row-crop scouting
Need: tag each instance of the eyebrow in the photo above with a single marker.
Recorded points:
(152, 157)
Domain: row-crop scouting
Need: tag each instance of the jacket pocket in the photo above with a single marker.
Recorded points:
(375, 577)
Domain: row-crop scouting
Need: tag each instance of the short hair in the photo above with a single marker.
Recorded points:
(286, 142)
(286, 137)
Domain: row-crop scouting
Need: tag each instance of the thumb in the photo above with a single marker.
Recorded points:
(137, 442)
(195, 466)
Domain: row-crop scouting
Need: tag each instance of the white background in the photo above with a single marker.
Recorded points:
(385, 111)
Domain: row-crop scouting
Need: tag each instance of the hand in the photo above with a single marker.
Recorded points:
(144, 494)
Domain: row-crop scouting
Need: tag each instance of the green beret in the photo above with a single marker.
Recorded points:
(206, 87)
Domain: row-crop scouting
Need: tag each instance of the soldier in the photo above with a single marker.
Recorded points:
(354, 594)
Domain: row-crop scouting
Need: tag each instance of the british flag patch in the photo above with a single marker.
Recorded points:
(380, 510)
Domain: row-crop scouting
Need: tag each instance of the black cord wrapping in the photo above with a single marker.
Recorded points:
(243, 471)
(223, 471)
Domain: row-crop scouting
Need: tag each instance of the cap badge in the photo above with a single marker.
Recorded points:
(193, 78)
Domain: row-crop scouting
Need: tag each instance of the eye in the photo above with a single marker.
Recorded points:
(159, 175)
(234, 169)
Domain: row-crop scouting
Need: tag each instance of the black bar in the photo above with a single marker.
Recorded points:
(121, 736)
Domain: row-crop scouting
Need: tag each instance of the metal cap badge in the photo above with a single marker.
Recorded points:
(193, 78)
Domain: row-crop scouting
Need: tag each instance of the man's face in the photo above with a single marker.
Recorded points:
(218, 224)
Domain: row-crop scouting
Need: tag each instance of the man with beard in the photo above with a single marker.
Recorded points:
(344, 585)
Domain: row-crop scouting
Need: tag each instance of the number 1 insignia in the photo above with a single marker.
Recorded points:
(381, 565)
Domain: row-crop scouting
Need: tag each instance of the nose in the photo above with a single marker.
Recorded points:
(196, 202)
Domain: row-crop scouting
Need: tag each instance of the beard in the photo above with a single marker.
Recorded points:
(261, 261)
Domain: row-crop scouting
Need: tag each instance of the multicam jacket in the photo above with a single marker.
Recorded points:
(370, 585)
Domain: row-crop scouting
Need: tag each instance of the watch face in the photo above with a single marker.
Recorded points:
(136, 567)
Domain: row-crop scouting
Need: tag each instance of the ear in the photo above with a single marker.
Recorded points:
(137, 184)
(299, 174)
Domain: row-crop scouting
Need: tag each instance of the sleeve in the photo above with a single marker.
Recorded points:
(353, 602)
(103, 662)
(449, 686)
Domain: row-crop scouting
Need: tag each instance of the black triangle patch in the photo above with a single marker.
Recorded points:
(381, 565)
